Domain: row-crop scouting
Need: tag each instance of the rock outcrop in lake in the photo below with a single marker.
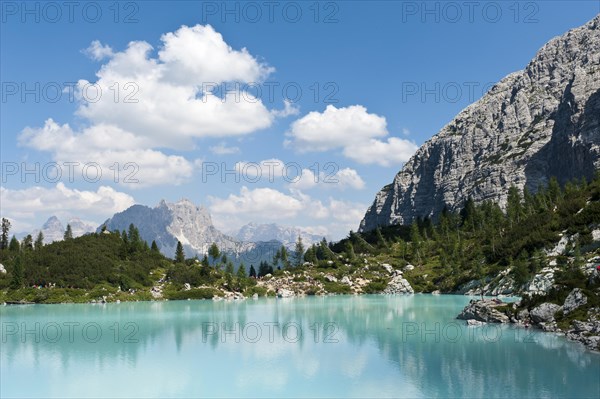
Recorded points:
(537, 123)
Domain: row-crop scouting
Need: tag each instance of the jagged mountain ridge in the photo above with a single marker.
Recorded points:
(537, 123)
(287, 235)
(54, 230)
(169, 222)
(192, 225)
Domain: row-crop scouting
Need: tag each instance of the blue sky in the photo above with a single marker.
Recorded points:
(366, 83)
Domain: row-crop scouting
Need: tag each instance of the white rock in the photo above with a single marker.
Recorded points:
(187, 287)
(473, 322)
(2, 269)
(398, 285)
(388, 268)
(285, 293)
(408, 268)
(574, 300)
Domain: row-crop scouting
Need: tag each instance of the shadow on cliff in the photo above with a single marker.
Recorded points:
(563, 156)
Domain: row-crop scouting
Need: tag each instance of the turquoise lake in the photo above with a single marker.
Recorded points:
(344, 346)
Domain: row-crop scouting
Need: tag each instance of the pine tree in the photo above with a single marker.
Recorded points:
(14, 245)
(213, 252)
(277, 257)
(241, 272)
(283, 255)
(263, 269)
(154, 247)
(27, 244)
(380, 241)
(229, 274)
(252, 272)
(17, 274)
(310, 255)
(241, 278)
(69, 232)
(298, 252)
(349, 251)
(229, 268)
(135, 241)
(514, 208)
(5, 231)
(39, 241)
(415, 238)
(179, 253)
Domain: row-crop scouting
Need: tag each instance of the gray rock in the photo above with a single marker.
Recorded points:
(346, 280)
(398, 285)
(187, 286)
(285, 293)
(408, 268)
(331, 278)
(536, 123)
(544, 313)
(483, 310)
(2, 269)
(574, 300)
(388, 268)
(542, 282)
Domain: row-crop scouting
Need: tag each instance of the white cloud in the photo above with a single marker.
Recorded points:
(59, 200)
(170, 99)
(334, 218)
(98, 52)
(268, 170)
(288, 110)
(347, 212)
(142, 104)
(339, 179)
(261, 203)
(393, 151)
(271, 170)
(223, 149)
(358, 133)
(106, 145)
(200, 52)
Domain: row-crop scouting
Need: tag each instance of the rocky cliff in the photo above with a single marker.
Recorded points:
(169, 222)
(537, 123)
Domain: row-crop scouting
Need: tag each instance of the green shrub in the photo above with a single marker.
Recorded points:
(196, 293)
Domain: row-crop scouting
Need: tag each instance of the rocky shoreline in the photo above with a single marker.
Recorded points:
(543, 316)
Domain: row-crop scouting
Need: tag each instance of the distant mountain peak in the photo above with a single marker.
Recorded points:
(170, 222)
(257, 232)
(53, 229)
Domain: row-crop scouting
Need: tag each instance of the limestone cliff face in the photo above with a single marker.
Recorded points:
(537, 123)
(169, 222)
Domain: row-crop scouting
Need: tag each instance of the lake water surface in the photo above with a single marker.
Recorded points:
(345, 346)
